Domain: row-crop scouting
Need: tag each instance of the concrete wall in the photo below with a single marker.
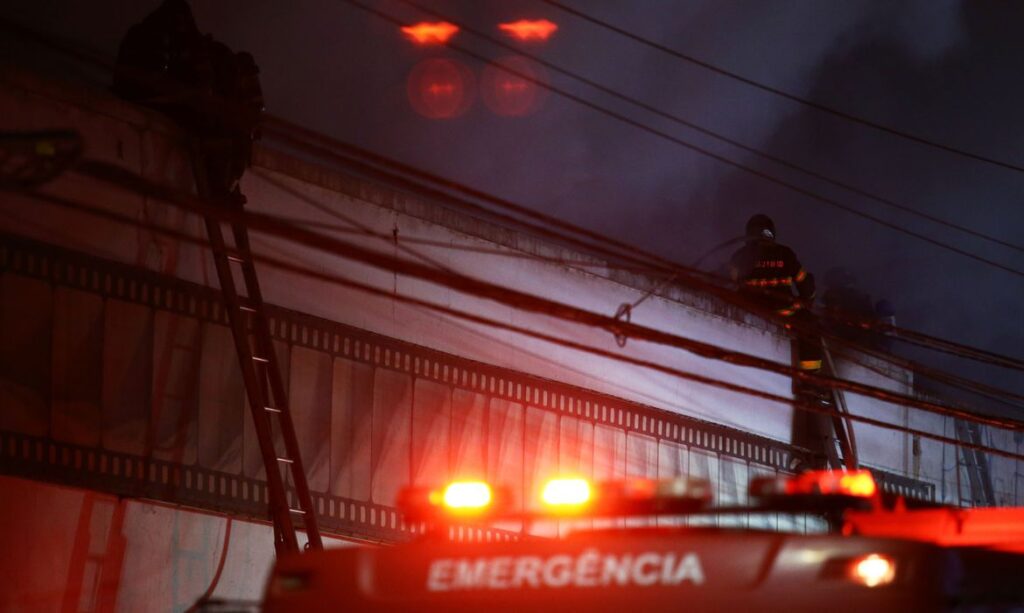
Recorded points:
(67, 549)
(143, 142)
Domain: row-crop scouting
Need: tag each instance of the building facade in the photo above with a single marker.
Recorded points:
(124, 413)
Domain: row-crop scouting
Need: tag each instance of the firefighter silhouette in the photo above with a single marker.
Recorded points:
(771, 276)
(212, 92)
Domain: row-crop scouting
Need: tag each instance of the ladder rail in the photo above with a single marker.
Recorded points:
(261, 376)
(979, 478)
(285, 540)
(265, 344)
(843, 426)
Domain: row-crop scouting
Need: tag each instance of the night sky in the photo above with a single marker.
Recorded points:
(945, 70)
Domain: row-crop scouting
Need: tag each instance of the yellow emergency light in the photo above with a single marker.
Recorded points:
(569, 494)
(467, 499)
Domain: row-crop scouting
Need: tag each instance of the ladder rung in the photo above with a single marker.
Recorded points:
(245, 306)
(235, 258)
(286, 460)
(260, 359)
(299, 511)
(271, 410)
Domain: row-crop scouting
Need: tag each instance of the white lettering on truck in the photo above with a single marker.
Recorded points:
(589, 569)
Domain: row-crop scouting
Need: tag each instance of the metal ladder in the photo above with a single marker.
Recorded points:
(841, 425)
(261, 374)
(975, 463)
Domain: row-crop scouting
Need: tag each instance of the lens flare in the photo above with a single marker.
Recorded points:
(566, 492)
(510, 86)
(858, 483)
(430, 33)
(440, 89)
(467, 495)
(529, 30)
(873, 570)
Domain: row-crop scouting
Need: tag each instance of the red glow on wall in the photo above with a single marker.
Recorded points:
(440, 89)
(510, 88)
(430, 33)
(529, 29)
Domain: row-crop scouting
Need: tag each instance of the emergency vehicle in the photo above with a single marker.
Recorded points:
(878, 553)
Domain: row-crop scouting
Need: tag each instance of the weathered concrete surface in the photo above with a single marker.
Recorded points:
(145, 143)
(67, 549)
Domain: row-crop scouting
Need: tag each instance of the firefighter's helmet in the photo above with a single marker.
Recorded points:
(760, 227)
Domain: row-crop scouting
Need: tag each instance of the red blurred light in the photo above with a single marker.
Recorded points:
(873, 570)
(854, 483)
(440, 89)
(467, 496)
(858, 483)
(509, 86)
(430, 33)
(529, 29)
(640, 489)
(566, 493)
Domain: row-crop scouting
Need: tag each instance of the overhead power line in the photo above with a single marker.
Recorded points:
(779, 92)
(701, 150)
(855, 354)
(951, 380)
(675, 118)
(481, 320)
(384, 169)
(327, 143)
(518, 299)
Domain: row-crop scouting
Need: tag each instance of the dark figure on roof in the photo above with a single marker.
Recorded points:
(164, 61)
(211, 91)
(848, 308)
(772, 278)
(769, 272)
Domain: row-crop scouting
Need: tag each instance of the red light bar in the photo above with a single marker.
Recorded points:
(459, 499)
(637, 497)
(565, 493)
(467, 495)
(425, 33)
(857, 483)
(529, 29)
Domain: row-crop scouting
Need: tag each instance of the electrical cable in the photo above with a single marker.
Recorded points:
(916, 337)
(626, 246)
(447, 245)
(449, 311)
(954, 442)
(704, 151)
(521, 300)
(852, 356)
(902, 334)
(366, 230)
(779, 92)
(639, 255)
(675, 118)
(507, 252)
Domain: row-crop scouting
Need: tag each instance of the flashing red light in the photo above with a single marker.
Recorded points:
(425, 33)
(471, 496)
(459, 499)
(566, 494)
(529, 29)
(873, 570)
(857, 483)
(440, 89)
